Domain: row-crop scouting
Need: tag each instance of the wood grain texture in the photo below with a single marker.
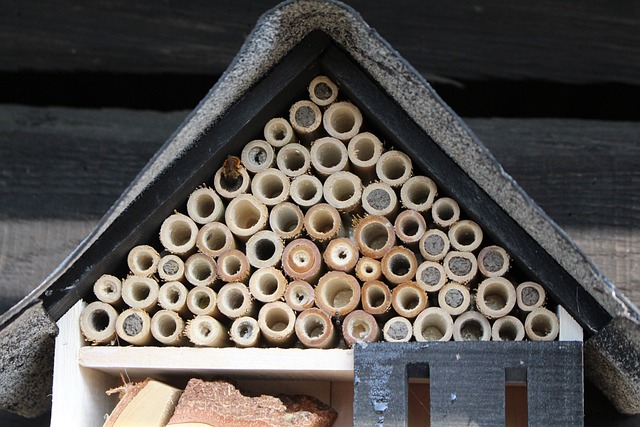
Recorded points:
(571, 41)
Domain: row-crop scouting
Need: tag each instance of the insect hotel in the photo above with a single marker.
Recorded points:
(324, 242)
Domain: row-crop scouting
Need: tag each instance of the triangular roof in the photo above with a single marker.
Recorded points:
(289, 42)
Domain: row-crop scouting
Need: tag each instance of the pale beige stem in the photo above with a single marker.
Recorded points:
(98, 322)
(399, 265)
(134, 326)
(143, 260)
(507, 328)
(376, 298)
(246, 215)
(306, 191)
(360, 326)
(305, 118)
(471, 326)
(200, 270)
(205, 206)
(379, 198)
(418, 193)
(410, 227)
(328, 156)
(368, 269)
(341, 254)
(167, 328)
(337, 293)
(171, 268)
(343, 191)
(108, 289)
(257, 155)
(286, 220)
(394, 168)
(301, 260)
(434, 245)
(530, 295)
(430, 276)
(233, 266)
(270, 186)
(173, 296)
(541, 325)
(445, 212)
(493, 261)
(245, 332)
(278, 132)
(323, 222)
(374, 236)
(140, 292)
(397, 329)
(277, 323)
(465, 235)
(299, 295)
(202, 301)
(314, 329)
(264, 249)
(234, 300)
(495, 297)
(408, 300)
(232, 179)
(433, 324)
(342, 120)
(178, 234)
(294, 160)
(454, 298)
(205, 331)
(364, 151)
(267, 284)
(461, 267)
(215, 238)
(323, 91)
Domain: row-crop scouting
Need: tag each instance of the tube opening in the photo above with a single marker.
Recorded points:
(278, 131)
(271, 186)
(99, 320)
(294, 160)
(338, 293)
(359, 329)
(143, 260)
(277, 319)
(394, 168)
(375, 235)
(465, 235)
(204, 205)
(409, 299)
(343, 190)
(215, 239)
(246, 214)
(434, 328)
(200, 270)
(471, 330)
(268, 284)
(329, 155)
(409, 226)
(204, 329)
(307, 190)
(508, 332)
(399, 265)
(202, 300)
(257, 155)
(495, 297)
(375, 297)
(541, 325)
(245, 330)
(264, 249)
(180, 233)
(313, 326)
(173, 295)
(167, 326)
(287, 220)
(364, 149)
(322, 221)
(232, 265)
(343, 120)
(140, 291)
(419, 192)
(445, 211)
(234, 299)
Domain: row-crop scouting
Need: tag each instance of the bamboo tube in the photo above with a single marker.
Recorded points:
(328, 156)
(167, 327)
(98, 322)
(374, 236)
(108, 289)
(364, 150)
(294, 160)
(134, 326)
(205, 331)
(495, 297)
(267, 284)
(368, 269)
(171, 268)
(314, 329)
(323, 91)
(471, 326)
(337, 293)
(445, 212)
(379, 198)
(323, 222)
(306, 191)
(342, 120)
(418, 193)
(246, 215)
(140, 292)
(430, 276)
(507, 328)
(433, 324)
(233, 266)
(277, 323)
(343, 191)
(234, 300)
(245, 332)
(301, 260)
(341, 254)
(465, 235)
(305, 118)
(394, 168)
(173, 296)
(278, 132)
(408, 300)
(257, 155)
(454, 298)
(410, 227)
(360, 326)
(299, 295)
(434, 245)
(200, 270)
(270, 186)
(460, 267)
(541, 325)
(205, 206)
(202, 301)
(215, 238)
(493, 261)
(232, 179)
(178, 234)
(286, 220)
(397, 329)
(376, 298)
(143, 260)
(264, 249)
(529, 296)
(399, 265)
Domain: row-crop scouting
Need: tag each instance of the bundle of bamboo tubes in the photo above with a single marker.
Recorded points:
(317, 236)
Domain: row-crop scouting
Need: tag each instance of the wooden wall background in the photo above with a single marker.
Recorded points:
(90, 90)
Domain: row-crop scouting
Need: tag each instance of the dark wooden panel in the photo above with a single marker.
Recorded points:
(569, 41)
